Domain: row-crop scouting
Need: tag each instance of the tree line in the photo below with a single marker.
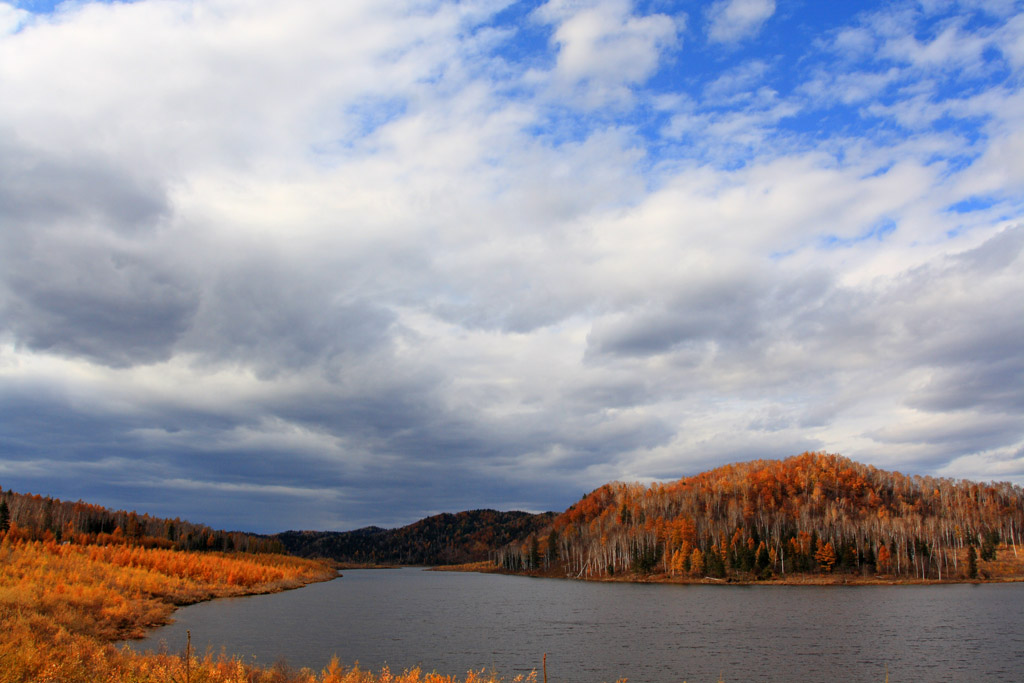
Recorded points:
(35, 517)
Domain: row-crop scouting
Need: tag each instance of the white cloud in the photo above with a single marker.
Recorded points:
(854, 43)
(738, 83)
(951, 48)
(362, 244)
(212, 84)
(1011, 41)
(604, 50)
(730, 21)
(12, 19)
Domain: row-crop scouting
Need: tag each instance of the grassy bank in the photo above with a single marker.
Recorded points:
(63, 605)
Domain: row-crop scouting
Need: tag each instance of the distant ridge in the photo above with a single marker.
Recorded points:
(813, 513)
(437, 540)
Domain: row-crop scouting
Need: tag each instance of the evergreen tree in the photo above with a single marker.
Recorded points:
(972, 562)
(763, 560)
(48, 515)
(5, 516)
(553, 546)
(869, 558)
(534, 553)
(746, 558)
(714, 563)
(812, 549)
(988, 549)
(848, 559)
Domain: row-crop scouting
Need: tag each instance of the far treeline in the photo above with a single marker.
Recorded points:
(441, 539)
(809, 514)
(38, 518)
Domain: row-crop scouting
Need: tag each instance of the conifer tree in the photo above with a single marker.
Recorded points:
(763, 560)
(534, 553)
(988, 548)
(552, 554)
(714, 564)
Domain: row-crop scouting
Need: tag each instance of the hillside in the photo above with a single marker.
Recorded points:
(35, 517)
(809, 514)
(441, 539)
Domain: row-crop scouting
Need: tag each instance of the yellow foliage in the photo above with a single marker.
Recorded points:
(61, 605)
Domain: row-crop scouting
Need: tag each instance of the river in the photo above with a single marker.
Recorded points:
(595, 632)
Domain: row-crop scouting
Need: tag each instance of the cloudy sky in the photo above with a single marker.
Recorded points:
(271, 264)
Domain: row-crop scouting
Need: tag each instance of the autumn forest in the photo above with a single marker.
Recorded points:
(811, 514)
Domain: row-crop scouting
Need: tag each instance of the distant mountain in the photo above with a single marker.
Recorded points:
(811, 513)
(442, 539)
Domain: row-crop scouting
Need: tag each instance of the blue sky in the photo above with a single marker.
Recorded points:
(273, 265)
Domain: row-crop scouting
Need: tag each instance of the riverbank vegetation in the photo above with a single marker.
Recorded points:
(814, 518)
(64, 603)
(61, 605)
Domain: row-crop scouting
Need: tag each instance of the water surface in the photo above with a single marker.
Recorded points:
(649, 633)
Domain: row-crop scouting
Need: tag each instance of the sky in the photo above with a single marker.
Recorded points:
(279, 264)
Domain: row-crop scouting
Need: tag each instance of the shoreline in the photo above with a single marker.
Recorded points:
(123, 639)
(796, 580)
(71, 612)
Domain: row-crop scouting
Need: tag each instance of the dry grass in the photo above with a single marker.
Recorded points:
(62, 605)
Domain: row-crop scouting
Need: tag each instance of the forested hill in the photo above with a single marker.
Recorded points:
(441, 539)
(34, 517)
(811, 513)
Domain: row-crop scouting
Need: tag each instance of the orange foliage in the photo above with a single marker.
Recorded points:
(826, 556)
(61, 605)
(883, 559)
(795, 507)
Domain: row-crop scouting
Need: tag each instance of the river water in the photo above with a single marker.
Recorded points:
(597, 632)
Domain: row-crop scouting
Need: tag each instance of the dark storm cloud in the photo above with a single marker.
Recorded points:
(724, 312)
(39, 425)
(975, 351)
(954, 437)
(410, 425)
(280, 317)
(78, 274)
(991, 384)
(40, 189)
(114, 309)
(234, 482)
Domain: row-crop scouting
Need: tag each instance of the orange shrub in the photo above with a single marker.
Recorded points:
(61, 605)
